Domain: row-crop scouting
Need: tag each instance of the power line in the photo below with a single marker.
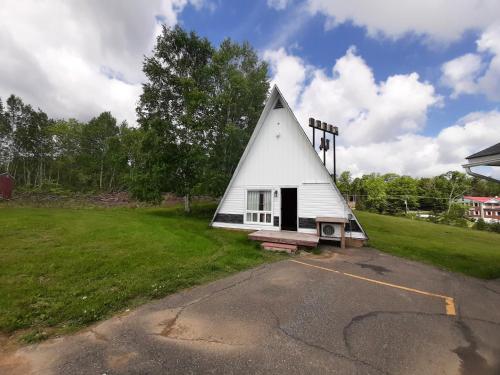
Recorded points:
(400, 196)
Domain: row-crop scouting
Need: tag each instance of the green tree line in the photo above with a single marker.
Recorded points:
(81, 156)
(197, 111)
(199, 106)
(391, 193)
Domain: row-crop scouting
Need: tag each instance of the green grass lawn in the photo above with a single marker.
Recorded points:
(64, 268)
(61, 269)
(472, 252)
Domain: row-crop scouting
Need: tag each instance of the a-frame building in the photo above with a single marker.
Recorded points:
(280, 182)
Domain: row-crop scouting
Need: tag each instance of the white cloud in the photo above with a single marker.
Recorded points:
(380, 123)
(368, 111)
(437, 20)
(476, 73)
(461, 73)
(76, 59)
(489, 44)
(278, 4)
(289, 72)
(419, 155)
(470, 134)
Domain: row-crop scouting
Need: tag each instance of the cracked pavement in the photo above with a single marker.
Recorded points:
(290, 318)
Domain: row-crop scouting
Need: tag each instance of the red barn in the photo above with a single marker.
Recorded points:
(6, 186)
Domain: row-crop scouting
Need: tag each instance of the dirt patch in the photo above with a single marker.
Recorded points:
(98, 335)
(113, 199)
(159, 322)
(14, 365)
(169, 324)
(175, 330)
(34, 359)
(324, 254)
(201, 328)
(120, 361)
(7, 343)
(69, 199)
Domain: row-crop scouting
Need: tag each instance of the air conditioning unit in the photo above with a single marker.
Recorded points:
(330, 230)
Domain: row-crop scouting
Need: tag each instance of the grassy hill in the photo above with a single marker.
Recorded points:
(472, 252)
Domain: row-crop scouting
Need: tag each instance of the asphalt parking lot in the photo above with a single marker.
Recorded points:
(353, 311)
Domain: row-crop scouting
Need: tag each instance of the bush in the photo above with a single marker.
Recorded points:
(455, 216)
(495, 227)
(146, 187)
(481, 225)
(48, 188)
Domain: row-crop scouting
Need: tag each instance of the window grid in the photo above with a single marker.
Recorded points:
(259, 207)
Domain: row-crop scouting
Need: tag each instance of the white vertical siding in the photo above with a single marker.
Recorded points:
(234, 202)
(320, 200)
(280, 155)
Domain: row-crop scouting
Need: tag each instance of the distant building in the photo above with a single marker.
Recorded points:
(489, 157)
(486, 208)
(6, 185)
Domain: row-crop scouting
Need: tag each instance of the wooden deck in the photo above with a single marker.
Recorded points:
(286, 237)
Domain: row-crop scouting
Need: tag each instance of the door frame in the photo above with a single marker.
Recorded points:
(297, 205)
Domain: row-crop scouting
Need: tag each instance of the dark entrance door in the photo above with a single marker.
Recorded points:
(289, 209)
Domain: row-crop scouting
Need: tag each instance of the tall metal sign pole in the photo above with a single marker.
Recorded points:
(335, 134)
(325, 143)
(312, 125)
(334, 161)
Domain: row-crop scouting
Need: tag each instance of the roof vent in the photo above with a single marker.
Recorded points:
(278, 104)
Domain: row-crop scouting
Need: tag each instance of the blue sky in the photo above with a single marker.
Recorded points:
(260, 24)
(414, 86)
(413, 48)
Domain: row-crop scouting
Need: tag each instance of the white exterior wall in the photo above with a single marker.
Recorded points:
(234, 202)
(320, 200)
(282, 156)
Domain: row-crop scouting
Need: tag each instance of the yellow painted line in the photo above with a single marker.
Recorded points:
(449, 302)
(450, 306)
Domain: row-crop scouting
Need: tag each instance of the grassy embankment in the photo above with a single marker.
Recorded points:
(472, 252)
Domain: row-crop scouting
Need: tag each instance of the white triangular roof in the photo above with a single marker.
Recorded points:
(271, 101)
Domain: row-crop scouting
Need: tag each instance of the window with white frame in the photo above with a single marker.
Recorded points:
(488, 213)
(259, 206)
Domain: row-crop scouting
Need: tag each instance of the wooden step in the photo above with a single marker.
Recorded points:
(273, 246)
(285, 237)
